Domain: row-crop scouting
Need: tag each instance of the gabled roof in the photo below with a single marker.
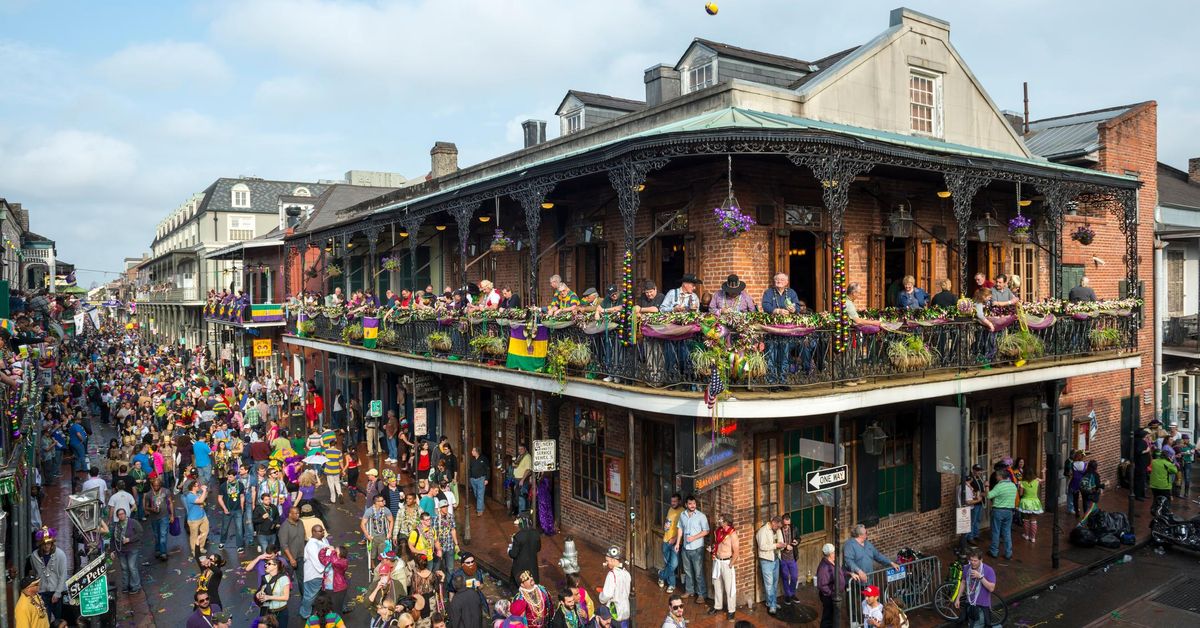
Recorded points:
(1174, 189)
(264, 194)
(746, 54)
(1070, 136)
(332, 201)
(602, 101)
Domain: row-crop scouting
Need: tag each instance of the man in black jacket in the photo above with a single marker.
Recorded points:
(468, 608)
(526, 544)
(478, 472)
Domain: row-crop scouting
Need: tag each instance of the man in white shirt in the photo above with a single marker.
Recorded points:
(683, 298)
(313, 569)
(121, 499)
(95, 481)
(616, 586)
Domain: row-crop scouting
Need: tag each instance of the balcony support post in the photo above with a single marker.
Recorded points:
(1053, 463)
(346, 270)
(463, 213)
(370, 279)
(1058, 195)
(531, 197)
(963, 187)
(412, 224)
(628, 178)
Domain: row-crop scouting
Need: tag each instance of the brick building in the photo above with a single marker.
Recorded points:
(880, 161)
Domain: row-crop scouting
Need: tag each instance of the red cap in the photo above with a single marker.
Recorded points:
(871, 591)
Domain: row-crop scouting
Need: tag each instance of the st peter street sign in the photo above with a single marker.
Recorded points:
(825, 479)
(88, 588)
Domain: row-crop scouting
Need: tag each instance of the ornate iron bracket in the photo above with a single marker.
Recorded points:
(626, 176)
(963, 187)
(462, 213)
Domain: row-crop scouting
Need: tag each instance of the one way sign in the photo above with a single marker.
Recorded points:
(825, 479)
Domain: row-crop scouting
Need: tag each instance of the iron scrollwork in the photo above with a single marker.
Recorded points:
(626, 176)
(530, 197)
(963, 187)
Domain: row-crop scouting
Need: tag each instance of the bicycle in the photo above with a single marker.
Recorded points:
(951, 590)
(909, 587)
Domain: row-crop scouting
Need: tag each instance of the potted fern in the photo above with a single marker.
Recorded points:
(438, 342)
(352, 333)
(306, 328)
(1020, 345)
(1104, 338)
(910, 353)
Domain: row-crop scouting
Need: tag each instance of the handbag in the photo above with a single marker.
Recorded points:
(175, 528)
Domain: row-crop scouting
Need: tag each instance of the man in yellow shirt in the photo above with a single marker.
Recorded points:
(670, 544)
(30, 611)
(524, 476)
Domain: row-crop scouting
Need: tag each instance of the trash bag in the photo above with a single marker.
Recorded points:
(1117, 523)
(1083, 537)
(1128, 538)
(1109, 541)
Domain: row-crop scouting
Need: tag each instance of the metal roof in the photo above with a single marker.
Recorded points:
(738, 118)
(1175, 190)
(1074, 135)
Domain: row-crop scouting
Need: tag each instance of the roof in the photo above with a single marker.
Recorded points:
(1070, 136)
(30, 236)
(264, 195)
(821, 65)
(754, 56)
(1175, 190)
(736, 118)
(603, 101)
(331, 202)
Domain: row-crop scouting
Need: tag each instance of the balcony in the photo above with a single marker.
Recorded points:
(170, 295)
(756, 352)
(243, 314)
(1181, 336)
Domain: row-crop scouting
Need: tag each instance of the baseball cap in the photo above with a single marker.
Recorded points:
(603, 612)
(372, 471)
(871, 591)
(613, 552)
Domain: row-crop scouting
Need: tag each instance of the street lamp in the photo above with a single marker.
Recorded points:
(84, 510)
(873, 440)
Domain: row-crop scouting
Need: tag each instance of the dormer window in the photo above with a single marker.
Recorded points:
(925, 103)
(240, 195)
(702, 74)
(574, 121)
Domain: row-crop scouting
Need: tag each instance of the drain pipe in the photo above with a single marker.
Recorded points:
(1160, 306)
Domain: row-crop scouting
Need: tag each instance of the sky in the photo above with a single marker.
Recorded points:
(113, 113)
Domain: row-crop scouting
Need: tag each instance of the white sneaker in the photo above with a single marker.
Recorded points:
(608, 379)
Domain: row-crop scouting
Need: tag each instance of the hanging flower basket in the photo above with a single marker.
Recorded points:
(1083, 234)
(333, 270)
(501, 242)
(1019, 229)
(732, 221)
(391, 264)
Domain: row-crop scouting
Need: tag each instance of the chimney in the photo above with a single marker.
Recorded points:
(22, 216)
(1193, 171)
(534, 131)
(443, 159)
(662, 84)
(1014, 120)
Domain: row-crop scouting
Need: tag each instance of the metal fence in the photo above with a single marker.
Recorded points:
(913, 586)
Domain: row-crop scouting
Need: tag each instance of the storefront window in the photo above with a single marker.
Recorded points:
(716, 442)
(895, 478)
(808, 515)
(587, 446)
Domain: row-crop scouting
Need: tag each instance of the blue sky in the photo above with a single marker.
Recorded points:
(113, 113)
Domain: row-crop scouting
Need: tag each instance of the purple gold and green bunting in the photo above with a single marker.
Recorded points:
(370, 332)
(266, 312)
(525, 353)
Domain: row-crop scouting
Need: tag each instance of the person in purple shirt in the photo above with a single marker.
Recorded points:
(980, 582)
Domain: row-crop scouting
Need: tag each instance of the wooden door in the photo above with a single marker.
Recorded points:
(876, 281)
(658, 476)
(1028, 445)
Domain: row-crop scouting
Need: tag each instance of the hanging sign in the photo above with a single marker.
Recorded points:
(376, 408)
(262, 348)
(420, 421)
(94, 599)
(545, 455)
(962, 520)
(84, 578)
(824, 479)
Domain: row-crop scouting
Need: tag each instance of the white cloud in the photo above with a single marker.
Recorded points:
(289, 93)
(191, 125)
(69, 161)
(165, 65)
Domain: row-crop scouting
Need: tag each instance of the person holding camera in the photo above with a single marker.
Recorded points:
(788, 573)
(769, 541)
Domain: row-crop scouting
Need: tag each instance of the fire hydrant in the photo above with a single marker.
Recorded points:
(570, 557)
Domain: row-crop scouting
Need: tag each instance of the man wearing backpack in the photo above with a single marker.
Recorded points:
(377, 524)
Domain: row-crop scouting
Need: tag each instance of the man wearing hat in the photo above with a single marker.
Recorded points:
(591, 300)
(972, 495)
(30, 611)
(49, 564)
(683, 298)
(731, 297)
(1186, 452)
(831, 582)
(615, 594)
(447, 535)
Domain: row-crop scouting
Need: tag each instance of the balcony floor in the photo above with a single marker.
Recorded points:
(820, 399)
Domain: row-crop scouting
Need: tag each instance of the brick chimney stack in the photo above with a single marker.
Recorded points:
(1194, 170)
(443, 159)
(22, 216)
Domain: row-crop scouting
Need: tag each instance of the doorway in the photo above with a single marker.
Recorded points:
(803, 255)
(672, 261)
(1027, 445)
(658, 476)
(895, 267)
(591, 263)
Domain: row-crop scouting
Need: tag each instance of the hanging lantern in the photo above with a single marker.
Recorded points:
(985, 229)
(900, 222)
(873, 439)
(84, 511)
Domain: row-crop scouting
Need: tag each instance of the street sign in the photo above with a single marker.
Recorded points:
(376, 408)
(420, 421)
(545, 455)
(825, 479)
(94, 599)
(87, 575)
(262, 348)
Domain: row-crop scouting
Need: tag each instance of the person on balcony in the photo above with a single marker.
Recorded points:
(911, 297)
(683, 298)
(564, 298)
(731, 297)
(1002, 294)
(336, 298)
(1082, 292)
(946, 297)
(591, 301)
(508, 300)
(650, 301)
(780, 298)
(489, 298)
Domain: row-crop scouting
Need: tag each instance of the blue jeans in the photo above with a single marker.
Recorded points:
(80, 455)
(1002, 519)
(237, 521)
(976, 515)
(205, 474)
(129, 569)
(788, 575)
(770, 576)
(392, 448)
(264, 541)
(477, 488)
(779, 361)
(1187, 477)
(693, 571)
(670, 564)
(311, 589)
(161, 528)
